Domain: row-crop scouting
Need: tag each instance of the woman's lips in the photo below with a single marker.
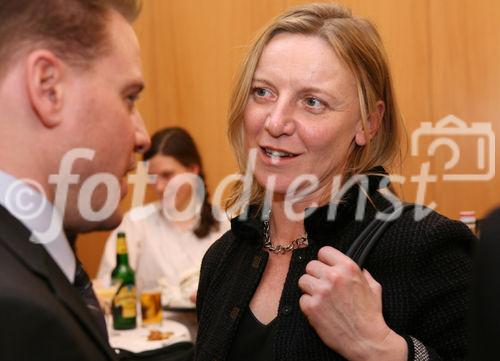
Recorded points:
(276, 156)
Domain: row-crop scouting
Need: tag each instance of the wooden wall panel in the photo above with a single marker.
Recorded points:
(465, 74)
(444, 55)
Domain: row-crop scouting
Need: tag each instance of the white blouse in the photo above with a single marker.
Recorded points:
(157, 248)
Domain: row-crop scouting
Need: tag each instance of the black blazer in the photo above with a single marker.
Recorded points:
(424, 268)
(41, 315)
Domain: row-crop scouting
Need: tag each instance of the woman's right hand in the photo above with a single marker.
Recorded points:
(344, 305)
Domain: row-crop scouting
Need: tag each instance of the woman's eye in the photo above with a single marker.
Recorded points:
(314, 103)
(261, 92)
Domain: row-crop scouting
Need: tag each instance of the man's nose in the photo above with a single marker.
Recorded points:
(142, 140)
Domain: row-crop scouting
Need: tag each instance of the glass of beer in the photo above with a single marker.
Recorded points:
(151, 310)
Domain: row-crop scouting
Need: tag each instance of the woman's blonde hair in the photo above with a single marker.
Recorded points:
(357, 43)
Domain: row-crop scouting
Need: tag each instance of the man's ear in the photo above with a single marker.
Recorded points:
(44, 77)
(372, 125)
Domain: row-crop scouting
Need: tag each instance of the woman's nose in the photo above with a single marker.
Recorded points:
(160, 186)
(280, 121)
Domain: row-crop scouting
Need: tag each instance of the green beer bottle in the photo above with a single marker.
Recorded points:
(124, 306)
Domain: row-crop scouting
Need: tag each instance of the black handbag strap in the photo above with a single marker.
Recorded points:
(362, 245)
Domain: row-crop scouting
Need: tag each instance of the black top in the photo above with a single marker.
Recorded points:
(424, 267)
(253, 340)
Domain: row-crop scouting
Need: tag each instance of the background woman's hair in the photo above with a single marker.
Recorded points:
(357, 43)
(178, 143)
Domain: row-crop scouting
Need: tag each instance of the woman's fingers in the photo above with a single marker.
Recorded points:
(341, 302)
(305, 303)
(317, 269)
(332, 256)
(307, 284)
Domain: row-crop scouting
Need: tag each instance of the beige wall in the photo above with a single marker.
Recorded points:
(445, 58)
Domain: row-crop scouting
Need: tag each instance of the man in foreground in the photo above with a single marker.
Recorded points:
(69, 77)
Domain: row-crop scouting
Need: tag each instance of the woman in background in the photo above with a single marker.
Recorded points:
(163, 250)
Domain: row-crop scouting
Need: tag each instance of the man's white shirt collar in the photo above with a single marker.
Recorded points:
(33, 210)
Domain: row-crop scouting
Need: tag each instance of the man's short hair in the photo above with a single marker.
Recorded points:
(74, 30)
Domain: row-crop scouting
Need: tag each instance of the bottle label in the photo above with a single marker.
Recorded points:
(121, 246)
(124, 303)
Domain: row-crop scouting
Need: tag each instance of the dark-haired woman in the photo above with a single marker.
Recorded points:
(160, 245)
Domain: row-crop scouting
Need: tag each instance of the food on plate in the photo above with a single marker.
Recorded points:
(157, 335)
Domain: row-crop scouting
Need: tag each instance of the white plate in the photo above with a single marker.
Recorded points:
(136, 340)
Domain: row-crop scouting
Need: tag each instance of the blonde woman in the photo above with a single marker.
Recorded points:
(315, 104)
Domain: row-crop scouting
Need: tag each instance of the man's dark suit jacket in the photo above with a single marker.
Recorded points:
(41, 315)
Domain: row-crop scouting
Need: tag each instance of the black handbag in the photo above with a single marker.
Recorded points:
(362, 245)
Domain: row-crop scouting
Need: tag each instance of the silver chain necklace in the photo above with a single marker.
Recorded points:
(279, 249)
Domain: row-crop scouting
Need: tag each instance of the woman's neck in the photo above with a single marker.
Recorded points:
(287, 215)
(285, 224)
(185, 225)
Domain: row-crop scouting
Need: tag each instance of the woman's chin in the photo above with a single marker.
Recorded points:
(279, 186)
